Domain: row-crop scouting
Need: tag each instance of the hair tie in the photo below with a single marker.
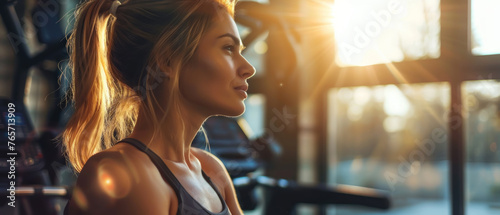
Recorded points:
(114, 6)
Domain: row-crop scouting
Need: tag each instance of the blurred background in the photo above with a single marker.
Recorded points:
(398, 96)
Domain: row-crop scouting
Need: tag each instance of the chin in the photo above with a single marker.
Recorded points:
(235, 111)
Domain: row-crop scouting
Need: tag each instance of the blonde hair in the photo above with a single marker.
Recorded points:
(116, 63)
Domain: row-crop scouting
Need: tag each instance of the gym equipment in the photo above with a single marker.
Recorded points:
(37, 190)
(240, 155)
(21, 160)
(54, 40)
(228, 141)
(32, 165)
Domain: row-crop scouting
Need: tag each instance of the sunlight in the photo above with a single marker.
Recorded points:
(113, 178)
(80, 199)
(371, 32)
(484, 27)
(396, 103)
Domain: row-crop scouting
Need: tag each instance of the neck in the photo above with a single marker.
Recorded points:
(172, 140)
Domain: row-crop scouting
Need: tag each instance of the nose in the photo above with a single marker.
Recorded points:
(246, 70)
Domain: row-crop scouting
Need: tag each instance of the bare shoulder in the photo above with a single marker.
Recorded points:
(216, 170)
(120, 181)
(212, 166)
(207, 159)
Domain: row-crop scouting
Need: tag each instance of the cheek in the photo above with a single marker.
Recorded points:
(206, 76)
(215, 72)
(209, 69)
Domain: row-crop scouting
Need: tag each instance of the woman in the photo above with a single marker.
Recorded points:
(146, 75)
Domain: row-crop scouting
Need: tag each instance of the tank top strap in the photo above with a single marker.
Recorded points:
(209, 180)
(157, 161)
(187, 204)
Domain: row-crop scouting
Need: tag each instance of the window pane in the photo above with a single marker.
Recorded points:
(484, 27)
(392, 138)
(255, 52)
(254, 114)
(381, 31)
(482, 124)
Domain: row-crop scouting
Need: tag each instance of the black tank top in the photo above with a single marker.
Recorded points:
(187, 204)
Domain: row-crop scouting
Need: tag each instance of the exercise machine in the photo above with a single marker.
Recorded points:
(242, 157)
(35, 153)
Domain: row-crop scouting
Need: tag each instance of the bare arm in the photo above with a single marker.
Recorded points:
(108, 185)
(230, 197)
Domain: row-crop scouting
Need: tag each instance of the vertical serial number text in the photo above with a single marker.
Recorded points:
(11, 153)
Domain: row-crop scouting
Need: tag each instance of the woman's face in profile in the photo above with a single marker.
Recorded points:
(208, 83)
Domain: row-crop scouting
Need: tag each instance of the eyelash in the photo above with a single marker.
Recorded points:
(230, 48)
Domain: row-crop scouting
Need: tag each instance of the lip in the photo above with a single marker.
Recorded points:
(243, 87)
(242, 90)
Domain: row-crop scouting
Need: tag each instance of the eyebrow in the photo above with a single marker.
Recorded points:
(235, 39)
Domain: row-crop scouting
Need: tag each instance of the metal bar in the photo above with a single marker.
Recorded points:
(322, 149)
(457, 151)
(18, 41)
(60, 191)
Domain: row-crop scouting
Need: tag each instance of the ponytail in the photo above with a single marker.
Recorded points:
(95, 93)
(110, 56)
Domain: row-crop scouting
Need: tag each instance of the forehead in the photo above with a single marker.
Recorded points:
(222, 24)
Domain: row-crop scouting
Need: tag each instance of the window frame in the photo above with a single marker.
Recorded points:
(456, 65)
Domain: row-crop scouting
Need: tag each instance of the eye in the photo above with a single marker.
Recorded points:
(230, 48)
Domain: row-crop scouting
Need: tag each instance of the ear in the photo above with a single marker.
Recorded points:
(166, 73)
(157, 74)
(167, 70)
